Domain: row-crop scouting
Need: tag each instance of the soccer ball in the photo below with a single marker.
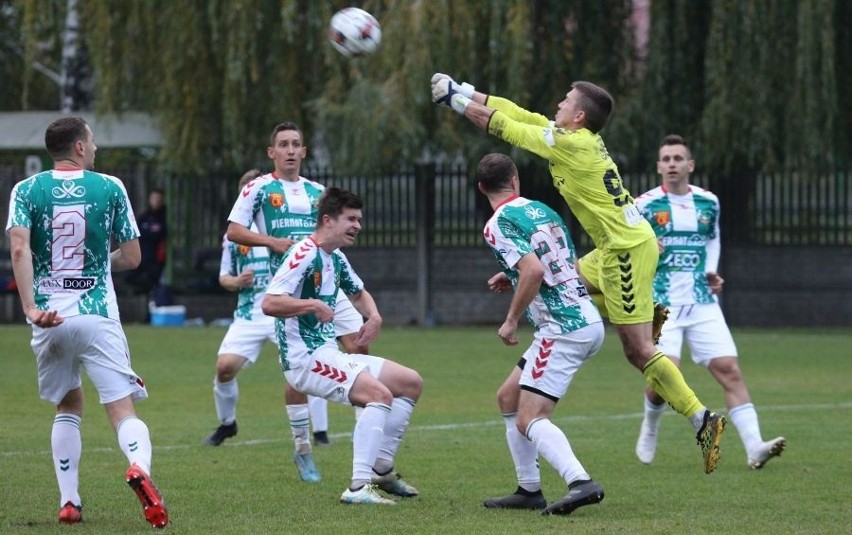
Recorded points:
(354, 32)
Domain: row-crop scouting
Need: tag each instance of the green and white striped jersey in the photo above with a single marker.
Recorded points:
(72, 215)
(308, 272)
(688, 229)
(235, 260)
(520, 226)
(278, 208)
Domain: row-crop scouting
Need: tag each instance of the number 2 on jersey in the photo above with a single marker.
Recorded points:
(551, 244)
(69, 233)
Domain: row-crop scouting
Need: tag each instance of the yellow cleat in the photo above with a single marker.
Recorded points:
(709, 438)
(661, 313)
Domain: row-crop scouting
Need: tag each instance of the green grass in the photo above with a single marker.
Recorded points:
(455, 450)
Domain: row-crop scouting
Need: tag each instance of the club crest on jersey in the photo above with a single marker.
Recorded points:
(662, 218)
(68, 189)
(317, 280)
(276, 200)
(244, 250)
(533, 212)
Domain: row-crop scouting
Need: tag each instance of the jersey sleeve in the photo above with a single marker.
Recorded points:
(350, 282)
(540, 139)
(124, 226)
(19, 213)
(515, 112)
(243, 211)
(293, 270)
(228, 264)
(714, 244)
(506, 240)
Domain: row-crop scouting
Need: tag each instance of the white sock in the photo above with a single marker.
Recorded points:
(299, 420)
(67, 446)
(744, 418)
(366, 441)
(226, 395)
(653, 414)
(697, 419)
(135, 441)
(553, 445)
(524, 455)
(395, 427)
(318, 407)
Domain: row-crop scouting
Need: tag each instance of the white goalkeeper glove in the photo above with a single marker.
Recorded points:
(447, 91)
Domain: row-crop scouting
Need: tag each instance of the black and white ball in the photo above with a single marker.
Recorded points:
(354, 32)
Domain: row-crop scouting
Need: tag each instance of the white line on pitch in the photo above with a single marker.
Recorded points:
(444, 427)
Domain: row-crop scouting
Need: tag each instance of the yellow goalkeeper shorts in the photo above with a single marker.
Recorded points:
(626, 278)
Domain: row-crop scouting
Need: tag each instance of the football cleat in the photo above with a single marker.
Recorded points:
(579, 494)
(221, 433)
(530, 500)
(152, 503)
(70, 513)
(768, 450)
(307, 467)
(709, 437)
(661, 313)
(321, 438)
(368, 494)
(646, 444)
(392, 483)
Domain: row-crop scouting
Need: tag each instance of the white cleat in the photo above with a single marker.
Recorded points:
(768, 450)
(646, 445)
(368, 495)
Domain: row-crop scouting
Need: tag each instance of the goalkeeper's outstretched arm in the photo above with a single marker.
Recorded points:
(462, 98)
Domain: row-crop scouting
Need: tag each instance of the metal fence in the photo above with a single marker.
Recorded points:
(763, 209)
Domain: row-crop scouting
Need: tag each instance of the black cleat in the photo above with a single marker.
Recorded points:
(321, 438)
(521, 499)
(580, 493)
(220, 434)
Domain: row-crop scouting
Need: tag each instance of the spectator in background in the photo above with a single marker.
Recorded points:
(152, 242)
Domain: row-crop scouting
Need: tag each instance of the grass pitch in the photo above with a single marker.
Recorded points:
(455, 451)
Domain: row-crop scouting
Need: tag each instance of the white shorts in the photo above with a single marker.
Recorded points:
(705, 331)
(329, 373)
(95, 343)
(347, 320)
(552, 360)
(246, 338)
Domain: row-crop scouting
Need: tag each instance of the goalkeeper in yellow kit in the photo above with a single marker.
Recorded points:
(623, 264)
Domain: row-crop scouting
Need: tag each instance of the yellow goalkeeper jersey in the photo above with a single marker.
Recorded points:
(582, 171)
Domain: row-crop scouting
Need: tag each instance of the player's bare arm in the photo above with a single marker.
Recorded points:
(234, 283)
(126, 257)
(366, 306)
(287, 306)
(499, 283)
(22, 267)
(244, 236)
(479, 114)
(715, 282)
(530, 276)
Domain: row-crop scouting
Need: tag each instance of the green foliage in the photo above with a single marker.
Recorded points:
(756, 86)
(669, 97)
(38, 25)
(455, 450)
